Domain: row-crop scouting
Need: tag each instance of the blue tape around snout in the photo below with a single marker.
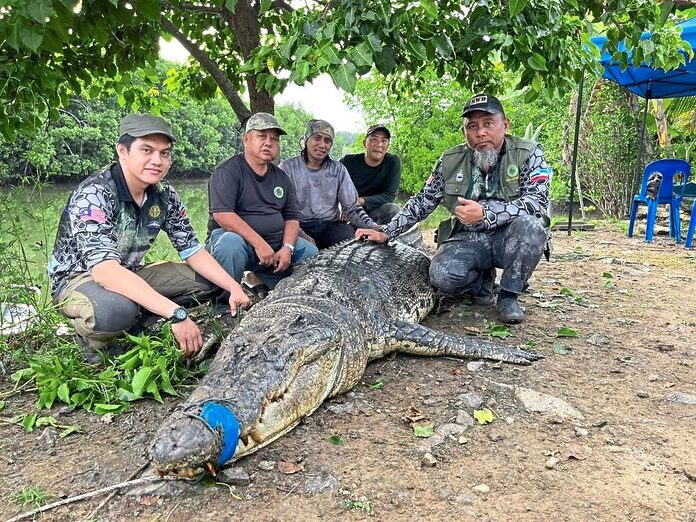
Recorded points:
(219, 416)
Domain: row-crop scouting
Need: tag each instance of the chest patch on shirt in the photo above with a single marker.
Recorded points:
(154, 211)
(278, 192)
(512, 171)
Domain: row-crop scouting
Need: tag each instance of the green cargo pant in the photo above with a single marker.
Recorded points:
(99, 315)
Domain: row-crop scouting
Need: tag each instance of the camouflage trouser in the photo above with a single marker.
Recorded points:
(99, 315)
(463, 263)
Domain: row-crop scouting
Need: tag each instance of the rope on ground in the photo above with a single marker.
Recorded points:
(90, 494)
(113, 493)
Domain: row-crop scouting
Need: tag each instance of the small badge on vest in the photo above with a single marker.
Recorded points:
(460, 176)
(512, 171)
(154, 211)
(278, 192)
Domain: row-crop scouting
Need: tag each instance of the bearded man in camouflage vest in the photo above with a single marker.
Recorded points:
(496, 187)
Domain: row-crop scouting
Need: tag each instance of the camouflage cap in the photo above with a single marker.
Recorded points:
(319, 127)
(139, 125)
(263, 121)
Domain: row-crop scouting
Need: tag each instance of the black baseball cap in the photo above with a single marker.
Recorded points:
(485, 103)
(376, 127)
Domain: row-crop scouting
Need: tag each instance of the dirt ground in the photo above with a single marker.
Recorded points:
(628, 452)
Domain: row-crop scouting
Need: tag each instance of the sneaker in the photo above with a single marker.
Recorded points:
(509, 309)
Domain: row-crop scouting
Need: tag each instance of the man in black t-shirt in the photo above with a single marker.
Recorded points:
(376, 175)
(254, 220)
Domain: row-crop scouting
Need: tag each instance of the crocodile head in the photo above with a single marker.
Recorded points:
(185, 446)
(267, 377)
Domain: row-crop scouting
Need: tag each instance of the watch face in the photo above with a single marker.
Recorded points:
(180, 314)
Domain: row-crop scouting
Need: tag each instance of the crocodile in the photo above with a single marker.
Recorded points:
(309, 340)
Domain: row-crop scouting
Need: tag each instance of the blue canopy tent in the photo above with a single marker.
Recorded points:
(643, 80)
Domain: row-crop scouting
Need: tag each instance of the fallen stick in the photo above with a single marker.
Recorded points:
(90, 494)
(113, 494)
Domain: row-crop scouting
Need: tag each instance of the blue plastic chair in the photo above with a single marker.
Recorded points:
(673, 171)
(690, 191)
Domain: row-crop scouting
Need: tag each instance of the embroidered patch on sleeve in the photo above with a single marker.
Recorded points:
(541, 175)
(93, 214)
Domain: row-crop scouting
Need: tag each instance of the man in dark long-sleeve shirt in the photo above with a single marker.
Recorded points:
(496, 187)
(376, 175)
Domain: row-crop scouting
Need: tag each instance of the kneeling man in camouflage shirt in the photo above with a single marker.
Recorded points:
(97, 271)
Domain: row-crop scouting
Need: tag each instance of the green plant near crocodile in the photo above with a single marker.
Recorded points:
(150, 368)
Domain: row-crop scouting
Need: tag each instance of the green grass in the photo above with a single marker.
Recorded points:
(33, 495)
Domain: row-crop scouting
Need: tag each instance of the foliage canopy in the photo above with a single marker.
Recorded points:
(55, 49)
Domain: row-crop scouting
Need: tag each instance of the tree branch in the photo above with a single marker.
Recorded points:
(228, 90)
(279, 4)
(198, 8)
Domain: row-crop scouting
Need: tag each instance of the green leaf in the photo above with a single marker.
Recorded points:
(2, 405)
(377, 385)
(151, 9)
(231, 5)
(140, 380)
(561, 349)
(417, 48)
(483, 416)
(13, 36)
(337, 440)
(360, 55)
(64, 393)
(537, 82)
(517, 6)
(567, 292)
(154, 391)
(344, 76)
(607, 275)
(101, 409)
(300, 71)
(45, 421)
(301, 51)
(40, 10)
(537, 62)
(69, 430)
(375, 42)
(330, 54)
(497, 330)
(566, 332)
(423, 430)
(28, 422)
(430, 7)
(265, 4)
(385, 61)
(30, 36)
(443, 46)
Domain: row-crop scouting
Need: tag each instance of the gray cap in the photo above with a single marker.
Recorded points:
(139, 125)
(262, 121)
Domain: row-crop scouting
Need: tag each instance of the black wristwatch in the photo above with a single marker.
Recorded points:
(178, 315)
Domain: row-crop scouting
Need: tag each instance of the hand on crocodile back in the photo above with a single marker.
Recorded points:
(376, 236)
(310, 340)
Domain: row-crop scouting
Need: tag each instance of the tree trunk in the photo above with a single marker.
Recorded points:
(244, 23)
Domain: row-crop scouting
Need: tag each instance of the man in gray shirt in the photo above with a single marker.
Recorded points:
(321, 185)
